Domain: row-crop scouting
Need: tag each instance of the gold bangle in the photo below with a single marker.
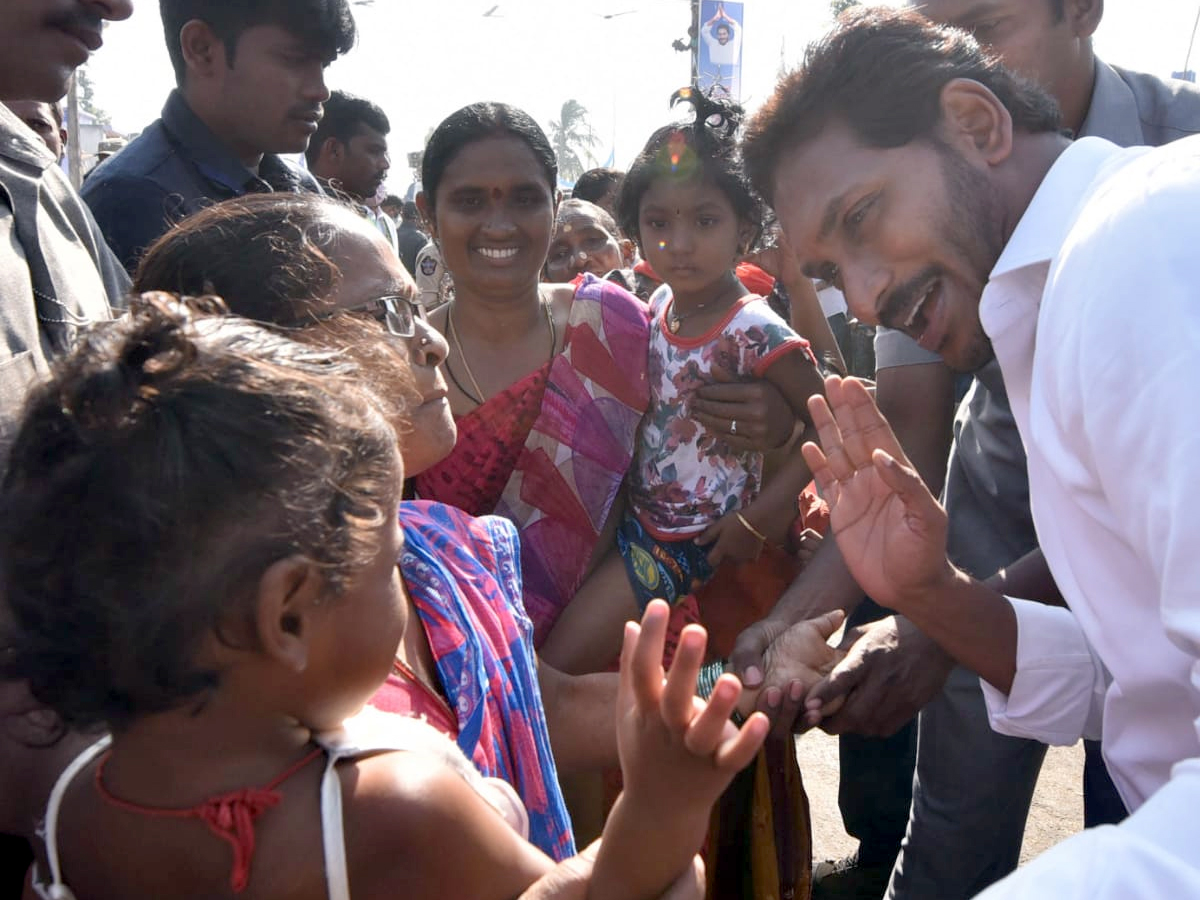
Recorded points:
(750, 528)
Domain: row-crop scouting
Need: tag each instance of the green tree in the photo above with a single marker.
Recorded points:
(87, 95)
(840, 6)
(573, 139)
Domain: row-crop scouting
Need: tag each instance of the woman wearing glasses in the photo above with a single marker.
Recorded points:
(313, 265)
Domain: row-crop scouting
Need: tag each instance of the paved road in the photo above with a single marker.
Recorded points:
(1056, 814)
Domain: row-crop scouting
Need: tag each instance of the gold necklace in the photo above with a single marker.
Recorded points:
(478, 398)
(675, 319)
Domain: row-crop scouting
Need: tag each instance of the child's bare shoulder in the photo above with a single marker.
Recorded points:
(415, 827)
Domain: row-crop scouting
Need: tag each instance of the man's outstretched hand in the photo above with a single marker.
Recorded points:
(889, 528)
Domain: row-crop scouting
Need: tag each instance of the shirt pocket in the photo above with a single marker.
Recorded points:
(18, 374)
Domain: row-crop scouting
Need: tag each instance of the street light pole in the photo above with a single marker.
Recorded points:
(74, 147)
(695, 42)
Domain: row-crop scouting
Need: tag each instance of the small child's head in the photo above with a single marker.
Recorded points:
(190, 493)
(684, 175)
(586, 239)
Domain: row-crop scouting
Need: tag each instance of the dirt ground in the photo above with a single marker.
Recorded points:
(1057, 810)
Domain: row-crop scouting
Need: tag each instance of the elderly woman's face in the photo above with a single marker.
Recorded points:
(371, 270)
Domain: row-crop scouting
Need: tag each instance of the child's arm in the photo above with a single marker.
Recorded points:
(678, 754)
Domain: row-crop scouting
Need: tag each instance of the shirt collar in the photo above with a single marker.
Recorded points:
(213, 158)
(1113, 113)
(1044, 225)
(19, 143)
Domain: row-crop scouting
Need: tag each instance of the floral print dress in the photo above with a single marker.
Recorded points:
(685, 477)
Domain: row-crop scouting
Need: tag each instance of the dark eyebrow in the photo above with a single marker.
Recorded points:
(829, 220)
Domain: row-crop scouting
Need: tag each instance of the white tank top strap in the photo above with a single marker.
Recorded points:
(368, 733)
(371, 732)
(56, 889)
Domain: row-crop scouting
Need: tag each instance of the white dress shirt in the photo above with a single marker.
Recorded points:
(1094, 314)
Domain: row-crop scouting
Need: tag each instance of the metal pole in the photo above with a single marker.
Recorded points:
(1187, 59)
(695, 42)
(74, 145)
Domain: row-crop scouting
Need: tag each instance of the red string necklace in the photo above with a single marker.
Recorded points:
(229, 816)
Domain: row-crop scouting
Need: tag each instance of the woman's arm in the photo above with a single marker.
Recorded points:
(772, 512)
(581, 716)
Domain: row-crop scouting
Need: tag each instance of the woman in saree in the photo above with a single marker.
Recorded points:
(547, 382)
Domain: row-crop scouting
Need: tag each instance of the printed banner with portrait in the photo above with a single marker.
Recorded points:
(720, 58)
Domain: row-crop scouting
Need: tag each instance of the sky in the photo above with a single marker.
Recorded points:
(422, 61)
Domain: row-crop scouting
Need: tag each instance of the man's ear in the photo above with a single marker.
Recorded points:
(426, 214)
(203, 51)
(628, 252)
(1084, 16)
(332, 149)
(290, 596)
(975, 121)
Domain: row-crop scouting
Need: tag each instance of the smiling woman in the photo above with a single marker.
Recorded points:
(546, 414)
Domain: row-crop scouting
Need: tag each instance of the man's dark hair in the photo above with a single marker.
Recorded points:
(345, 115)
(325, 25)
(881, 72)
(392, 201)
(593, 184)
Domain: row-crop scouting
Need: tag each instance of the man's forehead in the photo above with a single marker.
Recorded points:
(954, 10)
(812, 173)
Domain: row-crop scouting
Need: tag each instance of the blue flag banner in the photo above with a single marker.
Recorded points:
(720, 63)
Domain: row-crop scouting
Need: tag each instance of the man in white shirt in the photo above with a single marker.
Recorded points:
(940, 196)
(974, 787)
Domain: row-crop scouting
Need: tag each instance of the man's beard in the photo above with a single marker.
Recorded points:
(973, 229)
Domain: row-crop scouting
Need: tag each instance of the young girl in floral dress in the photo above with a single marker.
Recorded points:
(693, 502)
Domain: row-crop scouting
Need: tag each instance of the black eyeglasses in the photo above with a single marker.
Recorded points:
(398, 314)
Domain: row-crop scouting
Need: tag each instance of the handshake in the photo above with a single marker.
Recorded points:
(875, 680)
(794, 660)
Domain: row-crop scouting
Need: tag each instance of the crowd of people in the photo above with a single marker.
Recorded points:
(321, 498)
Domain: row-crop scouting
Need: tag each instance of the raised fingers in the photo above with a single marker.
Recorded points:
(863, 427)
(645, 660)
(735, 754)
(679, 693)
(711, 724)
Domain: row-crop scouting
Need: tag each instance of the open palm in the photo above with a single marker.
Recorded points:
(890, 530)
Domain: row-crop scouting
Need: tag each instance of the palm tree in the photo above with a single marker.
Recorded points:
(573, 140)
(840, 6)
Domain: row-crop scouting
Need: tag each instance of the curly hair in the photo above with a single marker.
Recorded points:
(174, 455)
(707, 148)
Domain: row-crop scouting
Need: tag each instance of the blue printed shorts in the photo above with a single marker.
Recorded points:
(667, 569)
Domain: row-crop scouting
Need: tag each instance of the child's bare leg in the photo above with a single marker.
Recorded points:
(587, 636)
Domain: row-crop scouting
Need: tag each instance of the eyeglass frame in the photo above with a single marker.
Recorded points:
(382, 310)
